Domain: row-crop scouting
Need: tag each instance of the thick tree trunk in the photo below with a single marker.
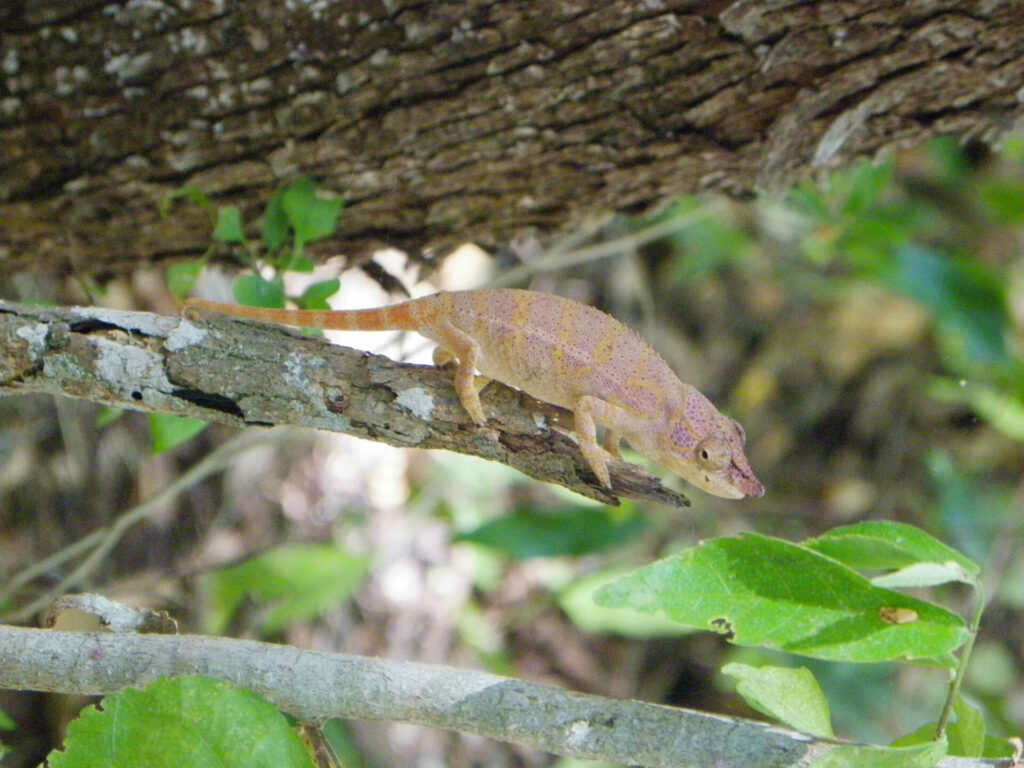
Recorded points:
(442, 122)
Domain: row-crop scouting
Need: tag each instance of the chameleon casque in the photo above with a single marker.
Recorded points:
(567, 354)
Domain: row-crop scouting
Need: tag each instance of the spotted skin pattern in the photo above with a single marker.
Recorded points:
(568, 354)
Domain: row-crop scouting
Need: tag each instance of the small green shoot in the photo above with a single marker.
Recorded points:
(300, 213)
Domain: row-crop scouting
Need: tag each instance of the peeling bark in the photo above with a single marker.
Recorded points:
(445, 122)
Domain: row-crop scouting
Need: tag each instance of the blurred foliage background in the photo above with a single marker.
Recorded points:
(867, 329)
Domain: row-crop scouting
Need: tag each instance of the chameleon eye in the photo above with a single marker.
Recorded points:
(713, 453)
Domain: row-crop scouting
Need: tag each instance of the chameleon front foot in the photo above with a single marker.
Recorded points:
(597, 460)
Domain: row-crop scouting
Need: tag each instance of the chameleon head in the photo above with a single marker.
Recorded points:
(706, 448)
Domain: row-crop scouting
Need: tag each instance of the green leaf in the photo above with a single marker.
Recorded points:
(6, 722)
(312, 213)
(967, 734)
(275, 223)
(879, 544)
(762, 591)
(192, 194)
(292, 583)
(950, 165)
(920, 575)
(295, 262)
(992, 747)
(106, 416)
(865, 183)
(1003, 200)
(254, 291)
(527, 534)
(182, 276)
(1012, 149)
(809, 198)
(183, 722)
(791, 696)
(998, 749)
(228, 228)
(317, 294)
(167, 431)
(923, 756)
(577, 601)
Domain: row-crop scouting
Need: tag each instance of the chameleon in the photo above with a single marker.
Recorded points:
(565, 353)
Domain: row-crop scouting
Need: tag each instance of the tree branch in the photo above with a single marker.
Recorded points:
(316, 686)
(520, 115)
(240, 373)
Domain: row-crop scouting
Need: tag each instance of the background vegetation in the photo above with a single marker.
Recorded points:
(867, 330)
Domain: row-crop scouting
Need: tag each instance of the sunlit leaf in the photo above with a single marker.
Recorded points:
(312, 212)
(317, 294)
(577, 601)
(228, 228)
(275, 223)
(790, 695)
(759, 591)
(185, 721)
(879, 544)
(255, 291)
(182, 276)
(166, 431)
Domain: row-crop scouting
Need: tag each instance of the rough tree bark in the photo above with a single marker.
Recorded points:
(243, 374)
(442, 122)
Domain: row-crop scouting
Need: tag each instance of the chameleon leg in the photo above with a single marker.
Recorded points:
(585, 410)
(463, 347)
(443, 358)
(611, 443)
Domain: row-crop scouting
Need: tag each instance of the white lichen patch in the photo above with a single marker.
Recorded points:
(295, 368)
(130, 369)
(187, 334)
(35, 335)
(576, 738)
(418, 401)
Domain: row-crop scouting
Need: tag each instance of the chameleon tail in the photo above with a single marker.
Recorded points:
(406, 316)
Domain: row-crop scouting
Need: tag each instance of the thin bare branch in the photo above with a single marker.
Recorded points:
(316, 686)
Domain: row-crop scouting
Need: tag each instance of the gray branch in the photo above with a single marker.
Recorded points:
(243, 374)
(317, 686)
